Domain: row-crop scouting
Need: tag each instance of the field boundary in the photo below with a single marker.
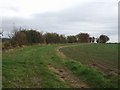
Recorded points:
(61, 53)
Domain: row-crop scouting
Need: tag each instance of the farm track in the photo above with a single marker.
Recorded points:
(66, 75)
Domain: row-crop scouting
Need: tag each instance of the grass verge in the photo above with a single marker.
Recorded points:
(93, 77)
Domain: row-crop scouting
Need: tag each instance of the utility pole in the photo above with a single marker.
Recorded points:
(14, 26)
(1, 33)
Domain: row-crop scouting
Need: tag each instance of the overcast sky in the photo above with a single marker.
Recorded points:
(68, 17)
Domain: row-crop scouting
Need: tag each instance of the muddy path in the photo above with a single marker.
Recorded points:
(67, 77)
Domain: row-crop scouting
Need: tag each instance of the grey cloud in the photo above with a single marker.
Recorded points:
(94, 18)
(10, 8)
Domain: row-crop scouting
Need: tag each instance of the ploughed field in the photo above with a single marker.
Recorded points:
(61, 66)
(101, 56)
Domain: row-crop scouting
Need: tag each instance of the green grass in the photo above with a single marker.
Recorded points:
(28, 68)
(93, 77)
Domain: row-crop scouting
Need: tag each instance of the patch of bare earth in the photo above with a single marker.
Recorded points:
(67, 76)
(104, 68)
(37, 81)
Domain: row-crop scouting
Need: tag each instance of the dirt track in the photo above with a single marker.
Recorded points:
(67, 76)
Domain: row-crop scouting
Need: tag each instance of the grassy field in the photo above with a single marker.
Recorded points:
(44, 67)
(27, 67)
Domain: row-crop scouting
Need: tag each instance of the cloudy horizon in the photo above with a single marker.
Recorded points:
(68, 17)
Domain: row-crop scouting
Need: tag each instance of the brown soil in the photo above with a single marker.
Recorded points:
(67, 76)
(104, 68)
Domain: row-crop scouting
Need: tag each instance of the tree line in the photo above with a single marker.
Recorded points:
(30, 37)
